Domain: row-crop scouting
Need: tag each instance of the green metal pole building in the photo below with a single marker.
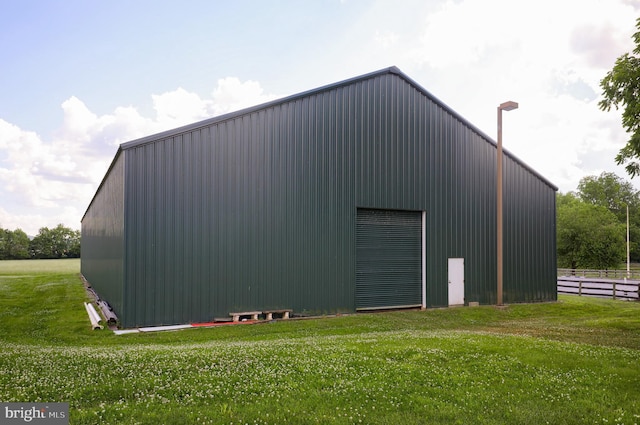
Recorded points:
(364, 194)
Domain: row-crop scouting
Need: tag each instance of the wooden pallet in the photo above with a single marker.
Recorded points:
(253, 315)
(282, 314)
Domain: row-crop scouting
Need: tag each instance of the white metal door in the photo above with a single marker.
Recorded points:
(456, 281)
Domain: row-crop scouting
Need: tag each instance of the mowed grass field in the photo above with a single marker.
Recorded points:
(576, 361)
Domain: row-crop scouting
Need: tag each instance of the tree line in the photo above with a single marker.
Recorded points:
(591, 223)
(58, 242)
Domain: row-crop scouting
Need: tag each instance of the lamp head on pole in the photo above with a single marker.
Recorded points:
(508, 106)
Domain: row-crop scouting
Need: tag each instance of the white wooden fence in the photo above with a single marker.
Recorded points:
(607, 274)
(588, 283)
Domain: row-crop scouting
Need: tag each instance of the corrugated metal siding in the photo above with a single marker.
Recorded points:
(529, 232)
(103, 238)
(257, 210)
(388, 259)
(260, 226)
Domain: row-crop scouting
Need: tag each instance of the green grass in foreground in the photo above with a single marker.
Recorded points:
(572, 362)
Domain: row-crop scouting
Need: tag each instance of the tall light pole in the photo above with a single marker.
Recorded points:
(628, 271)
(506, 106)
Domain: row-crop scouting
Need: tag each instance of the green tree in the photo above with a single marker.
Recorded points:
(19, 245)
(610, 191)
(73, 244)
(565, 199)
(615, 194)
(588, 236)
(14, 245)
(42, 244)
(59, 242)
(4, 244)
(621, 89)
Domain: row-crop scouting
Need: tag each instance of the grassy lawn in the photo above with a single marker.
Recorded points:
(30, 267)
(572, 362)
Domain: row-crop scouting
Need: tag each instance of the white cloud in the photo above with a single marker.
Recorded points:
(386, 38)
(79, 121)
(232, 95)
(180, 107)
(458, 35)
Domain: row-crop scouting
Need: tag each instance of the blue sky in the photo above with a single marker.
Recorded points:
(77, 78)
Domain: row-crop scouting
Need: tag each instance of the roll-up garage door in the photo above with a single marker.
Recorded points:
(388, 259)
